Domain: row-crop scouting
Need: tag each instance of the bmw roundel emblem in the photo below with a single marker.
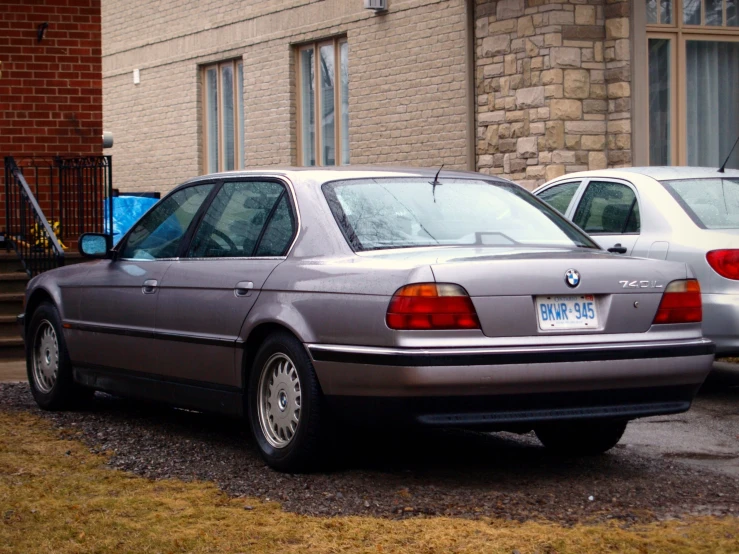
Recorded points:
(572, 278)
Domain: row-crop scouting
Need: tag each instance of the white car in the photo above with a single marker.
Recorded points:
(685, 214)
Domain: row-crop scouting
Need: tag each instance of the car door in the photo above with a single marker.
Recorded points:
(206, 294)
(560, 195)
(608, 210)
(117, 312)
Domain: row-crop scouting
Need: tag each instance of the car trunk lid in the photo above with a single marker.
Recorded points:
(504, 285)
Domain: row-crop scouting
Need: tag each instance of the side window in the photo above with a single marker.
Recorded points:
(158, 234)
(279, 231)
(245, 219)
(608, 208)
(560, 196)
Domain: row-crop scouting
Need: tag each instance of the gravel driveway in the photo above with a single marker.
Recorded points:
(440, 473)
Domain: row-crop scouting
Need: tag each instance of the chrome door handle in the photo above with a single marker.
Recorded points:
(243, 288)
(149, 286)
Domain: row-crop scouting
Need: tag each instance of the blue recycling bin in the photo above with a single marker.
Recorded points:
(127, 210)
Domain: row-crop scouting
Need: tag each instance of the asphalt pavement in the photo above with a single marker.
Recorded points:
(706, 436)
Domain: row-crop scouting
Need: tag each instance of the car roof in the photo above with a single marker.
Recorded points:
(660, 173)
(321, 175)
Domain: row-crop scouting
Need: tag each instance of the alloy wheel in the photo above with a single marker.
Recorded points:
(45, 357)
(279, 399)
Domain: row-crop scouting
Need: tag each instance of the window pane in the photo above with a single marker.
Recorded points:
(559, 197)
(344, 53)
(651, 11)
(158, 234)
(307, 107)
(211, 117)
(666, 13)
(400, 213)
(712, 113)
(227, 86)
(328, 134)
(692, 12)
(714, 12)
(606, 208)
(711, 203)
(240, 118)
(659, 102)
(732, 18)
(279, 232)
(235, 219)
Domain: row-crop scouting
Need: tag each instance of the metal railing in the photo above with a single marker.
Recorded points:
(85, 196)
(27, 230)
(77, 195)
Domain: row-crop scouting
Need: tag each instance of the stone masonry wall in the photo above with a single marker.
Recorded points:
(553, 87)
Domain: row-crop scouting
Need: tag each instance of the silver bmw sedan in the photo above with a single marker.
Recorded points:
(682, 214)
(309, 299)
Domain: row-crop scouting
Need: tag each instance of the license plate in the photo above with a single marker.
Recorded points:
(567, 312)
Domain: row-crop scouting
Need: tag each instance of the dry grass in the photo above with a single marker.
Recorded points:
(55, 496)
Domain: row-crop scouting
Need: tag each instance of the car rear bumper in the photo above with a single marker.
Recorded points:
(721, 322)
(497, 386)
(514, 412)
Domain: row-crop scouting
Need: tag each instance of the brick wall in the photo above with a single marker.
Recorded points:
(553, 87)
(407, 81)
(50, 91)
(51, 98)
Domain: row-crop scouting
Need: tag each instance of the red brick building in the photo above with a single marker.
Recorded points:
(51, 108)
(51, 96)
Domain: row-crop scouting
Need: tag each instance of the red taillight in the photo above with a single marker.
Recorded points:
(431, 306)
(725, 263)
(681, 303)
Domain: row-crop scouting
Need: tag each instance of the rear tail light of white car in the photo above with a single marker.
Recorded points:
(681, 303)
(725, 263)
(431, 306)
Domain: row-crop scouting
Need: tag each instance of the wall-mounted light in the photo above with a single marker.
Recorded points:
(41, 31)
(136, 76)
(377, 5)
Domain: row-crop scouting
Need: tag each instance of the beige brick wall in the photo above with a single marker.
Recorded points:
(553, 87)
(407, 72)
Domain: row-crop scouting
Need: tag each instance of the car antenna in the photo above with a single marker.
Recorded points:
(721, 170)
(435, 183)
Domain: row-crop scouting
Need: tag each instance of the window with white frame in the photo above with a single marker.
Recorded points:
(223, 116)
(323, 103)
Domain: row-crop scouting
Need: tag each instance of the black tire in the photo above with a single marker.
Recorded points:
(308, 446)
(581, 438)
(63, 393)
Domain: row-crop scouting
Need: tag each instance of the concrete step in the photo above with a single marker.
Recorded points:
(13, 282)
(9, 326)
(11, 303)
(11, 348)
(13, 371)
(9, 262)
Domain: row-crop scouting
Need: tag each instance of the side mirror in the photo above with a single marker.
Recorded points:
(95, 245)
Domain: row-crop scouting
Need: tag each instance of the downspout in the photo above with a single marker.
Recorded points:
(471, 89)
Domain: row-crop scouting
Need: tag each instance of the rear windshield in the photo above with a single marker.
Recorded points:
(711, 203)
(376, 214)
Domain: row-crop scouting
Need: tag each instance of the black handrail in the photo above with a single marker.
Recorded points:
(26, 227)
